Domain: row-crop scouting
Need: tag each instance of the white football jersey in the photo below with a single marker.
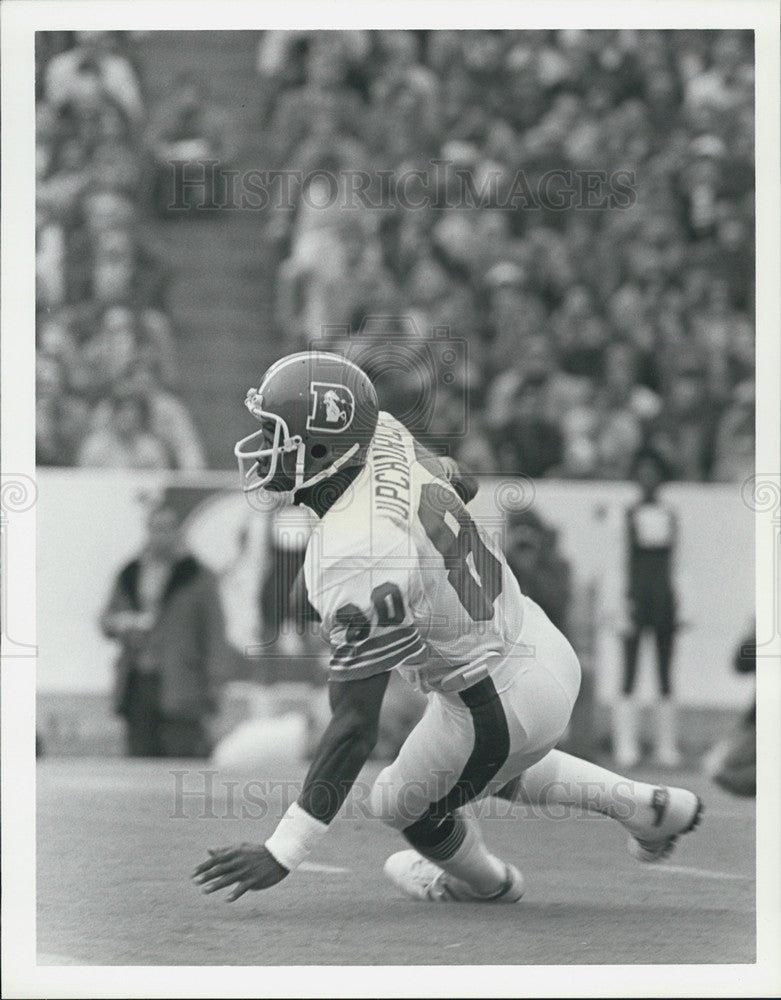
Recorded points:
(402, 577)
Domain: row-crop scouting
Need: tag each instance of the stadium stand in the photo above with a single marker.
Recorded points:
(592, 327)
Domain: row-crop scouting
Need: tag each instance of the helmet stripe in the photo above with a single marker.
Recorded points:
(314, 356)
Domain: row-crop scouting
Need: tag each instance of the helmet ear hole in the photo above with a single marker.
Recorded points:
(318, 450)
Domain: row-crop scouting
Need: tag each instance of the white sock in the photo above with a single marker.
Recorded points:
(562, 779)
(473, 863)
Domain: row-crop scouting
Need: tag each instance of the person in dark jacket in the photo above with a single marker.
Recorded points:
(165, 612)
(543, 573)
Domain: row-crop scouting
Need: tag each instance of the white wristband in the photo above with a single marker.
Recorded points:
(295, 836)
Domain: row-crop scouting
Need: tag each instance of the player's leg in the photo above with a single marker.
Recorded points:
(651, 813)
(451, 861)
(480, 739)
(449, 758)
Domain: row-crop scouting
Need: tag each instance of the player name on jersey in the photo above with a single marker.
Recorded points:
(391, 464)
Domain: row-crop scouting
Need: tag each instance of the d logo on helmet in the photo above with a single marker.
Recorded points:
(333, 407)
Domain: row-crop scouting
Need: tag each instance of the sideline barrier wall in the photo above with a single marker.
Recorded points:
(89, 523)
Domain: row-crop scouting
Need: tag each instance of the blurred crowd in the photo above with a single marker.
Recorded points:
(108, 374)
(589, 332)
(581, 329)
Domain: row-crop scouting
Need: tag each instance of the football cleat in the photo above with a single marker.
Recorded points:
(421, 879)
(676, 811)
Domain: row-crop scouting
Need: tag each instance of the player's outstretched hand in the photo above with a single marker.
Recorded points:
(250, 866)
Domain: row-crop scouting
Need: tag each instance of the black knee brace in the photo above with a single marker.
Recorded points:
(436, 837)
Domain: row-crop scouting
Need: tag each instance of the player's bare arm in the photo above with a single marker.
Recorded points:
(345, 746)
(343, 750)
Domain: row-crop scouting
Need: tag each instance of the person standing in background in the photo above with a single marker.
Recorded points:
(652, 531)
(735, 758)
(543, 573)
(165, 612)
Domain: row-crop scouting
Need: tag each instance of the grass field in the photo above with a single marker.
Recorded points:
(116, 845)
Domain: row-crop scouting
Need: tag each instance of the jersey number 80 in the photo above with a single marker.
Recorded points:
(476, 596)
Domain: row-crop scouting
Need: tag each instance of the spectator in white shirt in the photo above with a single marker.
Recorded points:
(94, 54)
(126, 442)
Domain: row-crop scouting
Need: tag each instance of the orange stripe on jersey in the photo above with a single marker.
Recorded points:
(365, 666)
(370, 647)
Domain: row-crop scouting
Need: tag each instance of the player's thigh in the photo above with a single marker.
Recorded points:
(430, 762)
(480, 748)
(553, 653)
(538, 705)
(538, 712)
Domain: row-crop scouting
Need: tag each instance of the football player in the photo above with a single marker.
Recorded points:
(403, 579)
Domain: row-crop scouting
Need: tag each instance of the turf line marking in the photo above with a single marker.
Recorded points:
(703, 873)
(311, 866)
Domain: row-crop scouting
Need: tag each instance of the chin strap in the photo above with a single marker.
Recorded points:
(325, 473)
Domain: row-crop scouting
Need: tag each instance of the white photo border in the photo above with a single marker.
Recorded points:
(22, 977)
